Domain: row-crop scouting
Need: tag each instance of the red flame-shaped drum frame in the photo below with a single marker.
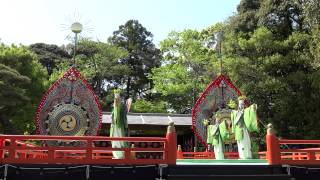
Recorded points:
(217, 94)
(71, 98)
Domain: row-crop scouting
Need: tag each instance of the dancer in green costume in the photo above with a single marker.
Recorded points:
(216, 135)
(119, 124)
(244, 121)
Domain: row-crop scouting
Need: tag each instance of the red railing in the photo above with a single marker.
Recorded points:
(195, 155)
(25, 154)
(18, 150)
(211, 155)
(206, 155)
(15, 150)
(276, 155)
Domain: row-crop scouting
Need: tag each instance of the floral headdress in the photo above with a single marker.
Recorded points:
(218, 115)
(205, 122)
(232, 104)
(243, 97)
(116, 91)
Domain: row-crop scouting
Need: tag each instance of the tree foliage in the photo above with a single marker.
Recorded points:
(312, 16)
(22, 82)
(142, 57)
(142, 105)
(273, 65)
(99, 64)
(49, 55)
(187, 66)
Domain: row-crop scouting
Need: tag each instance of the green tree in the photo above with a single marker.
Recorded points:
(144, 106)
(99, 63)
(12, 94)
(49, 55)
(281, 17)
(22, 82)
(312, 16)
(187, 67)
(274, 66)
(142, 57)
(246, 19)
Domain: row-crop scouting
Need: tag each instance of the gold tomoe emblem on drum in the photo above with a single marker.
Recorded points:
(67, 123)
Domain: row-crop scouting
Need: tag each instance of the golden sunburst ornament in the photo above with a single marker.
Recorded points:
(78, 25)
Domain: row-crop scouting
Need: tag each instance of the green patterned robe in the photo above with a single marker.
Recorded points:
(216, 135)
(119, 128)
(242, 125)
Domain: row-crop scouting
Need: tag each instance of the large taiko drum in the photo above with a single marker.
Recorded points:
(69, 108)
(214, 99)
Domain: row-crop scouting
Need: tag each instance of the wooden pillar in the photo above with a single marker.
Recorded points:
(2, 144)
(89, 153)
(171, 149)
(179, 152)
(311, 156)
(195, 141)
(273, 148)
(12, 146)
(132, 153)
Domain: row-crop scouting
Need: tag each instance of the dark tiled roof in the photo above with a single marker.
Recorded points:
(152, 118)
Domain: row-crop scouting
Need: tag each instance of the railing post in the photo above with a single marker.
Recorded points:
(273, 149)
(50, 154)
(311, 156)
(89, 155)
(12, 146)
(132, 153)
(127, 154)
(179, 152)
(209, 152)
(171, 148)
(2, 144)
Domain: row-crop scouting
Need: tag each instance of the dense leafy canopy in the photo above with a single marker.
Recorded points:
(22, 82)
(273, 64)
(142, 105)
(187, 67)
(49, 55)
(142, 57)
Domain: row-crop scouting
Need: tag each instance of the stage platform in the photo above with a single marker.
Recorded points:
(253, 169)
(225, 162)
(147, 172)
(195, 169)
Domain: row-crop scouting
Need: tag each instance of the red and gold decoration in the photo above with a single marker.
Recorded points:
(215, 98)
(69, 107)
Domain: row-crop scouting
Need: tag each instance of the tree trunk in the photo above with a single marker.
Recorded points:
(128, 87)
(99, 83)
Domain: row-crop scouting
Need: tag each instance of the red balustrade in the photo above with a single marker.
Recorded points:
(16, 149)
(275, 155)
